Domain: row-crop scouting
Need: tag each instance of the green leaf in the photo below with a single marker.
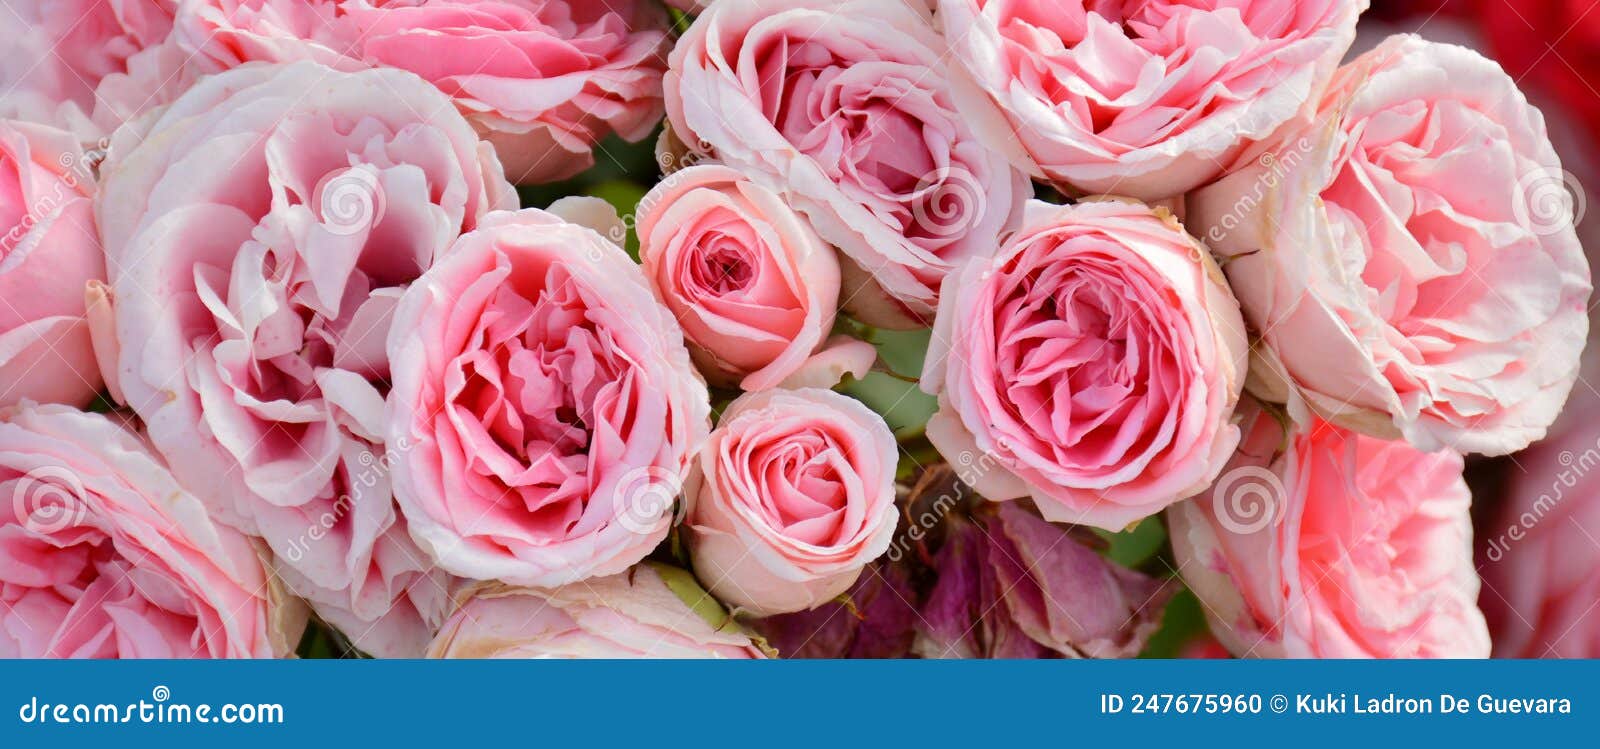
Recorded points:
(1183, 622)
(1137, 545)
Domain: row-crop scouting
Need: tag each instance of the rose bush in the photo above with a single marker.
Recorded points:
(1408, 260)
(754, 288)
(549, 401)
(108, 557)
(259, 234)
(791, 497)
(848, 111)
(1096, 358)
(1147, 99)
(48, 253)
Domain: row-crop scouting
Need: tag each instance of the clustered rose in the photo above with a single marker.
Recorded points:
(349, 375)
(1097, 356)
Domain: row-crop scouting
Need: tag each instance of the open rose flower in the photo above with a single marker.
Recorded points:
(753, 286)
(1010, 585)
(1538, 558)
(49, 251)
(847, 110)
(791, 497)
(260, 232)
(87, 65)
(1148, 99)
(108, 557)
(543, 80)
(1410, 261)
(646, 612)
(549, 402)
(1096, 359)
(1338, 546)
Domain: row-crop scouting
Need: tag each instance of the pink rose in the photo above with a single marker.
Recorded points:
(87, 65)
(1538, 556)
(754, 288)
(543, 80)
(48, 252)
(548, 402)
(646, 612)
(791, 497)
(108, 557)
(1411, 259)
(1092, 363)
(1336, 546)
(847, 110)
(260, 232)
(1148, 99)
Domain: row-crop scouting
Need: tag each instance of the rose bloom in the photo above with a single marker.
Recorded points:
(848, 111)
(1148, 99)
(87, 65)
(1537, 557)
(1331, 544)
(1411, 262)
(646, 612)
(48, 252)
(549, 402)
(260, 232)
(753, 286)
(108, 557)
(791, 497)
(543, 80)
(1093, 363)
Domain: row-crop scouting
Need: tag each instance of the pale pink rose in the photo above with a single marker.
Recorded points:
(549, 403)
(1093, 363)
(1148, 99)
(260, 232)
(49, 250)
(106, 556)
(754, 288)
(1538, 557)
(87, 65)
(1408, 259)
(791, 497)
(543, 80)
(1330, 544)
(848, 111)
(647, 612)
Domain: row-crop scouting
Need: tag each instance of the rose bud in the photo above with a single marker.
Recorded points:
(791, 497)
(1538, 560)
(1147, 99)
(754, 288)
(1092, 363)
(550, 406)
(1331, 544)
(848, 111)
(49, 252)
(107, 556)
(1011, 585)
(646, 612)
(1410, 260)
(543, 80)
(259, 232)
